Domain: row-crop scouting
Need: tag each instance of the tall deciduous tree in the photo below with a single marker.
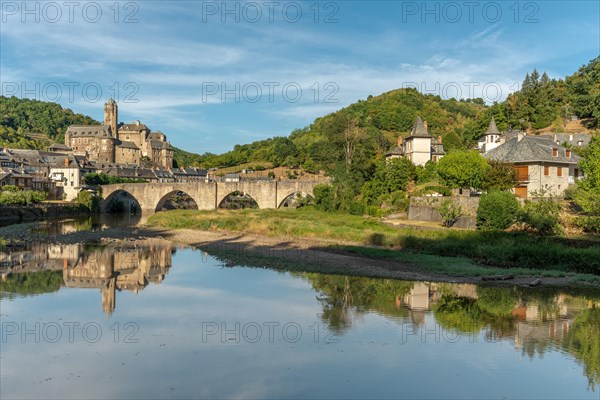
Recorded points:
(588, 192)
(463, 169)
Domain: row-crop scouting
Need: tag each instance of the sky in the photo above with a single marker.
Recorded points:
(212, 74)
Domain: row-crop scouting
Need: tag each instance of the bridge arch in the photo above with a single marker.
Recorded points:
(165, 197)
(285, 189)
(248, 195)
(130, 202)
(281, 200)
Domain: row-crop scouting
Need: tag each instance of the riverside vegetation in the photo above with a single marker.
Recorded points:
(448, 252)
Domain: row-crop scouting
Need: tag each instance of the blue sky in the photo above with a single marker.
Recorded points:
(212, 74)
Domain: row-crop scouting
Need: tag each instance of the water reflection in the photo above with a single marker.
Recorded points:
(94, 223)
(535, 322)
(131, 267)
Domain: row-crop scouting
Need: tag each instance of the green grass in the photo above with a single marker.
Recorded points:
(444, 249)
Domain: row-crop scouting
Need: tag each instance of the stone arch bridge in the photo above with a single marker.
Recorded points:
(207, 195)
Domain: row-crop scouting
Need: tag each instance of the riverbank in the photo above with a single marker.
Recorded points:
(309, 255)
(506, 250)
(37, 211)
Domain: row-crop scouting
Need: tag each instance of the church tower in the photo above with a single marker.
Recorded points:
(111, 116)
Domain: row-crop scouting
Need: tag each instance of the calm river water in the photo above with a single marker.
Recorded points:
(152, 320)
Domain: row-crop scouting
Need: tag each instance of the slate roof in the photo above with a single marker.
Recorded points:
(59, 146)
(192, 171)
(492, 128)
(160, 145)
(396, 151)
(571, 138)
(530, 149)
(155, 135)
(419, 130)
(128, 145)
(133, 127)
(89, 130)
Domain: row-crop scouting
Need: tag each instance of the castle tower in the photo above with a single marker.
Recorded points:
(111, 115)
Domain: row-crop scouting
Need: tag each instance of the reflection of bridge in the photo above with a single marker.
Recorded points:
(207, 195)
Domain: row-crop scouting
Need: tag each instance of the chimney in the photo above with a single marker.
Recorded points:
(425, 124)
(400, 141)
(66, 161)
(571, 137)
(439, 139)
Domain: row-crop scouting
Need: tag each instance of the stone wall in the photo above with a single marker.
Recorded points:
(425, 208)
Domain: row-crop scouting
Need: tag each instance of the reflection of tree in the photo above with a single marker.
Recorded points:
(458, 313)
(583, 341)
(497, 301)
(30, 283)
(345, 297)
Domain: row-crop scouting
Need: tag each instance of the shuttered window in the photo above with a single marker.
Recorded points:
(522, 172)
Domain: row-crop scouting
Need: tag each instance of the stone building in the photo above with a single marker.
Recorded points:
(419, 146)
(114, 142)
(541, 164)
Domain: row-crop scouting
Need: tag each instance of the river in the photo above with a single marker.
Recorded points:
(151, 319)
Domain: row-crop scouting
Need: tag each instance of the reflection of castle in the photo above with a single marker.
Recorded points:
(110, 269)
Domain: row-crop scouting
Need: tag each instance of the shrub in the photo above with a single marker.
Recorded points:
(497, 210)
(88, 200)
(10, 188)
(324, 197)
(570, 192)
(450, 212)
(541, 216)
(588, 224)
(443, 190)
(21, 197)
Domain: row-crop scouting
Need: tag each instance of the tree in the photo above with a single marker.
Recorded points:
(497, 210)
(450, 212)
(399, 172)
(463, 169)
(587, 195)
(499, 177)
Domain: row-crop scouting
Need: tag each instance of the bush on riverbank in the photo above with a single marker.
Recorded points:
(11, 195)
(89, 201)
(493, 248)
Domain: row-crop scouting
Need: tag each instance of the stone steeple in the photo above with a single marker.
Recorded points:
(111, 115)
(492, 128)
(419, 129)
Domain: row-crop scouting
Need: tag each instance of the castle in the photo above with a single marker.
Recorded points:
(114, 142)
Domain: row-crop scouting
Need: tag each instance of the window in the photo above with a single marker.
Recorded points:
(568, 153)
(576, 172)
(558, 171)
(554, 152)
(522, 172)
(546, 170)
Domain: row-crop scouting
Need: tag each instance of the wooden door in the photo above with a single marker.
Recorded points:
(521, 191)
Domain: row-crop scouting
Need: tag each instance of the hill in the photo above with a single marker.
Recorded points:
(27, 124)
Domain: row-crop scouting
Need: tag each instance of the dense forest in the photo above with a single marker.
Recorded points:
(20, 118)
